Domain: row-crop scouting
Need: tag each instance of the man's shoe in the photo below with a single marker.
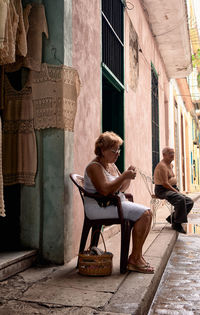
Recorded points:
(170, 219)
(178, 227)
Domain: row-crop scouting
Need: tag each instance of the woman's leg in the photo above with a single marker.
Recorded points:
(148, 225)
(139, 235)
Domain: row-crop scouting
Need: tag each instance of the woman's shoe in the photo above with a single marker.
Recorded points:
(140, 268)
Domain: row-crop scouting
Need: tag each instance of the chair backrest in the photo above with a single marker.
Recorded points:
(78, 180)
(148, 181)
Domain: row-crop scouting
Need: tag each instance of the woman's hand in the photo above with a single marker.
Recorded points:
(130, 173)
(133, 172)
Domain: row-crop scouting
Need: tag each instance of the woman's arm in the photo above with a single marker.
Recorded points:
(126, 182)
(102, 185)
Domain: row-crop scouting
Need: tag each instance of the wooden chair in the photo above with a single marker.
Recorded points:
(126, 225)
(155, 202)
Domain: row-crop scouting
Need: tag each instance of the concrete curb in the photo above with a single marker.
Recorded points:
(136, 293)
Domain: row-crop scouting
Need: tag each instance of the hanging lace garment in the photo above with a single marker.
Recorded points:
(32, 13)
(3, 19)
(14, 34)
(1, 87)
(7, 53)
(34, 55)
(2, 206)
(21, 41)
(19, 143)
(55, 92)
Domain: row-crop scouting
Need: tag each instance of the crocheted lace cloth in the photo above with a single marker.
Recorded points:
(12, 26)
(2, 206)
(7, 52)
(55, 92)
(21, 36)
(32, 13)
(3, 18)
(19, 142)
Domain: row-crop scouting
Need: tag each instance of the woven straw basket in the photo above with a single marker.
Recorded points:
(95, 265)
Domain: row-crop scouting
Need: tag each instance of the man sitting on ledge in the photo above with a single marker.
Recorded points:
(165, 188)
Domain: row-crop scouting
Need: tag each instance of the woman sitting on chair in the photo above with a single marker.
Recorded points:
(102, 176)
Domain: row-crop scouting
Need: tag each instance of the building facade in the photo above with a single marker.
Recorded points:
(125, 54)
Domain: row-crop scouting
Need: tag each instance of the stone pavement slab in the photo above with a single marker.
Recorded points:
(76, 281)
(46, 294)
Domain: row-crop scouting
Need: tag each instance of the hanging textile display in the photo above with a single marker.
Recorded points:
(19, 143)
(7, 52)
(55, 92)
(32, 60)
(14, 41)
(1, 87)
(3, 19)
(22, 31)
(21, 41)
(34, 38)
(2, 206)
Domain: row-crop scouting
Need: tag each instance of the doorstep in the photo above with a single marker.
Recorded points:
(14, 262)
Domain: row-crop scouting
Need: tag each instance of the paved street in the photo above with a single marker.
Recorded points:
(179, 291)
(60, 290)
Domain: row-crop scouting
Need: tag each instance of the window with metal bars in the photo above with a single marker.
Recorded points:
(155, 119)
(112, 36)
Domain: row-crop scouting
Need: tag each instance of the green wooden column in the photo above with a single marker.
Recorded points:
(46, 217)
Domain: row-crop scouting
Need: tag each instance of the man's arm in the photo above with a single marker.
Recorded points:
(163, 172)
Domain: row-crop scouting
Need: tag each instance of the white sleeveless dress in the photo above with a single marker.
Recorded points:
(132, 211)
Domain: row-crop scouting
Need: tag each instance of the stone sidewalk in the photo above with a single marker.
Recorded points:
(61, 290)
(179, 290)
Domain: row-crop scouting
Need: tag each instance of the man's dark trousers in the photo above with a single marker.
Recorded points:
(182, 203)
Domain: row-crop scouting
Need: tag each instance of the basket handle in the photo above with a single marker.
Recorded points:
(101, 237)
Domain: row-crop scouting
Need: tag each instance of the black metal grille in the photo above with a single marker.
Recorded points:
(113, 10)
(155, 120)
(112, 36)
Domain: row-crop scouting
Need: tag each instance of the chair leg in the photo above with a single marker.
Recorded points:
(84, 235)
(153, 209)
(95, 235)
(125, 243)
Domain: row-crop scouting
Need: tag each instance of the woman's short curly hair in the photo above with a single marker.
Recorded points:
(105, 141)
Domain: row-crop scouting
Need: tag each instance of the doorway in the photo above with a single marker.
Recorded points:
(113, 113)
(182, 154)
(10, 224)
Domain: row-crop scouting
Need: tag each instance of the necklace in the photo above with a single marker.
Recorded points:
(103, 164)
(108, 167)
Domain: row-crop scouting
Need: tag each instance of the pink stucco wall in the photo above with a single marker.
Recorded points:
(87, 60)
(137, 107)
(138, 139)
